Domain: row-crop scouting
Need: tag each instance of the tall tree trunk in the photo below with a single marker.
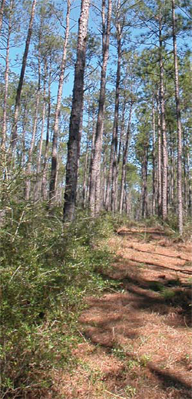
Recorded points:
(186, 160)
(54, 167)
(128, 203)
(88, 154)
(76, 116)
(4, 126)
(1, 13)
(122, 132)
(116, 117)
(125, 152)
(92, 148)
(38, 183)
(44, 172)
(24, 122)
(104, 181)
(85, 176)
(144, 209)
(186, 171)
(95, 183)
(159, 178)
(179, 131)
(29, 161)
(154, 196)
(163, 127)
(185, 185)
(172, 172)
(21, 79)
(120, 151)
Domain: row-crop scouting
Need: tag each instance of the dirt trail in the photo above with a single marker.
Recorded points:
(137, 340)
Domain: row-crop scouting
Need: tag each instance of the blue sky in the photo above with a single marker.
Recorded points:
(94, 23)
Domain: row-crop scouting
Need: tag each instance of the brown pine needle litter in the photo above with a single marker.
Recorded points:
(137, 340)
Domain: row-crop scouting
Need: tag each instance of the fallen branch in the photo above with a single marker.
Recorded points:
(159, 265)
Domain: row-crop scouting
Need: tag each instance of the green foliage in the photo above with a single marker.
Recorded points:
(168, 293)
(46, 270)
(111, 222)
(144, 360)
(172, 221)
(119, 352)
(156, 286)
(130, 391)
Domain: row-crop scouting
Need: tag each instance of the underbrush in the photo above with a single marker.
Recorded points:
(46, 271)
(170, 226)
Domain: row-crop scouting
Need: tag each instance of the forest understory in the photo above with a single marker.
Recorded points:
(99, 308)
(95, 199)
(136, 340)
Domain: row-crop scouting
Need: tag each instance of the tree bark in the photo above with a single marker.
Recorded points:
(128, 204)
(29, 161)
(179, 130)
(95, 183)
(1, 13)
(44, 173)
(122, 133)
(154, 195)
(92, 148)
(21, 79)
(116, 118)
(37, 193)
(163, 127)
(54, 166)
(76, 117)
(24, 122)
(187, 190)
(4, 126)
(125, 152)
(159, 178)
(144, 209)
(172, 173)
(85, 176)
(185, 185)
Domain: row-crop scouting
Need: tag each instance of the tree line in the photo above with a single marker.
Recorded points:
(121, 142)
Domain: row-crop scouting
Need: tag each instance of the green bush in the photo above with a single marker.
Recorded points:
(46, 271)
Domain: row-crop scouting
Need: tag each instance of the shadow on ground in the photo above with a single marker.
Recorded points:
(172, 381)
(163, 296)
(146, 324)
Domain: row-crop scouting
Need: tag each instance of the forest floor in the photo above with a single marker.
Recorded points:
(137, 338)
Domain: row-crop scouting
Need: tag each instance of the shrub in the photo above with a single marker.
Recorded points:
(46, 270)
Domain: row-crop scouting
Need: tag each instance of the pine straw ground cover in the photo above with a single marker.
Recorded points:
(137, 340)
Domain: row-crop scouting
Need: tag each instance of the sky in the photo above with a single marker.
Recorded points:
(17, 50)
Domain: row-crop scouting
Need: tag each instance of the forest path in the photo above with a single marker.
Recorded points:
(137, 340)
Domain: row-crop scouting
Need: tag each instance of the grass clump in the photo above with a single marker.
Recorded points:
(119, 352)
(46, 271)
(168, 293)
(130, 391)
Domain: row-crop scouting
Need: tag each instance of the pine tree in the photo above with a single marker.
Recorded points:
(76, 116)
(95, 180)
